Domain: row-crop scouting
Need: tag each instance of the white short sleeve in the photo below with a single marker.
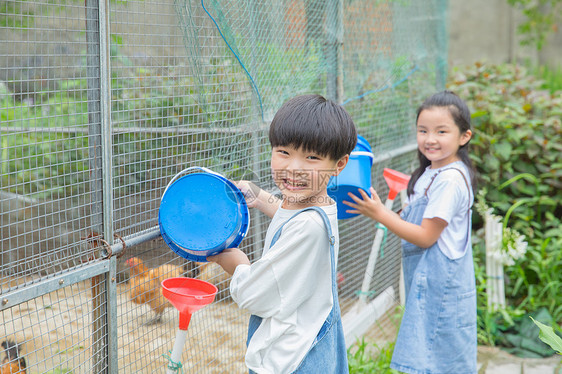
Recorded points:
(450, 199)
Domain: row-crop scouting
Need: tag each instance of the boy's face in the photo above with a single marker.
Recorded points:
(302, 176)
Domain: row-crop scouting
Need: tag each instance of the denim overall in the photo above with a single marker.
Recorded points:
(328, 354)
(438, 329)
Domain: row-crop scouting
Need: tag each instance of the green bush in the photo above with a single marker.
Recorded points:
(517, 149)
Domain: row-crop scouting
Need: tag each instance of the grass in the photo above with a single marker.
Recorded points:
(552, 77)
(364, 357)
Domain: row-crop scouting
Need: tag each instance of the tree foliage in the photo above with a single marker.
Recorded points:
(542, 18)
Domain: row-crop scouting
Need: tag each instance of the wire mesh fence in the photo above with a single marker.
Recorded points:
(102, 102)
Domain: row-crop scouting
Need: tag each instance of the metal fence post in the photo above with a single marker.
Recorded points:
(100, 141)
(442, 45)
(334, 84)
(256, 108)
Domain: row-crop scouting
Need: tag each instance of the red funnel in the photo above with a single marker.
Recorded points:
(188, 295)
(396, 181)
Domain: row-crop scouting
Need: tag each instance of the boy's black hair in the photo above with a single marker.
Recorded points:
(315, 124)
(461, 116)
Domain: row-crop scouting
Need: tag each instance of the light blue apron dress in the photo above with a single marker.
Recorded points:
(328, 354)
(438, 330)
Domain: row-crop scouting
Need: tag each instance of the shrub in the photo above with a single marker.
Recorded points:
(517, 149)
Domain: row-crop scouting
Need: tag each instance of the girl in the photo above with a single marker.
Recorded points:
(438, 329)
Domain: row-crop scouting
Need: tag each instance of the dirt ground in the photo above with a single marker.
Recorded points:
(55, 333)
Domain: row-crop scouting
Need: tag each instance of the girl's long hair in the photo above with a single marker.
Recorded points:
(461, 116)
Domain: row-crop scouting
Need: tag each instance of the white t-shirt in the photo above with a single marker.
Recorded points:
(290, 288)
(449, 200)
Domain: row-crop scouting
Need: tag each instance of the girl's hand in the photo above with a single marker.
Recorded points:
(367, 206)
(229, 259)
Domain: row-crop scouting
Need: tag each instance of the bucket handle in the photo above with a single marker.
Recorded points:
(201, 168)
(363, 153)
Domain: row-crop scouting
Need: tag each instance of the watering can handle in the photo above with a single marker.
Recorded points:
(201, 168)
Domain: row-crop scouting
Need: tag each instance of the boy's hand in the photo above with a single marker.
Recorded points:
(367, 206)
(257, 198)
(250, 192)
(229, 259)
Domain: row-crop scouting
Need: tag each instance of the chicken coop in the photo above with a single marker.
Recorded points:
(103, 102)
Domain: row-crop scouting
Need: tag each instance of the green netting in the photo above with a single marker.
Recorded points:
(278, 46)
(378, 58)
(394, 56)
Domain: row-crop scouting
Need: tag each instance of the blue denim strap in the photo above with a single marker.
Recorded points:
(255, 321)
(331, 239)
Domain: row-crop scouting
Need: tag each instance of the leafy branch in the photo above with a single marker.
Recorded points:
(542, 18)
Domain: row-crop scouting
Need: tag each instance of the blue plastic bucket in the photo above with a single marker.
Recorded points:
(201, 214)
(355, 175)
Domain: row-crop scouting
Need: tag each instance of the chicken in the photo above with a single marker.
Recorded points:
(214, 274)
(145, 285)
(12, 363)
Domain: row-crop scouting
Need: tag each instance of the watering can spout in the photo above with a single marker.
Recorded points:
(396, 182)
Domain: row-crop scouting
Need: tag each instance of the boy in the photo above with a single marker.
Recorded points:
(291, 290)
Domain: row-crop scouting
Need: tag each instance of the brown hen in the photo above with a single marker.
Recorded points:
(145, 285)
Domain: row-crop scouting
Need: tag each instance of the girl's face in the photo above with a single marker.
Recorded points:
(303, 176)
(438, 136)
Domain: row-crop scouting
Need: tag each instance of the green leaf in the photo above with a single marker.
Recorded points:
(479, 113)
(548, 336)
(503, 150)
(492, 163)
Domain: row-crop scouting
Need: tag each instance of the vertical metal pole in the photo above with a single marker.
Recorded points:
(104, 339)
(334, 84)
(109, 297)
(111, 291)
(401, 285)
(255, 215)
(106, 136)
(442, 45)
(95, 165)
(339, 53)
(94, 114)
